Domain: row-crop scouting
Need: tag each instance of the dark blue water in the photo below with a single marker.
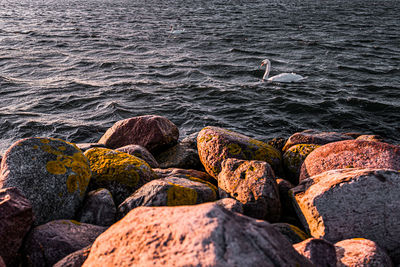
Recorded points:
(70, 69)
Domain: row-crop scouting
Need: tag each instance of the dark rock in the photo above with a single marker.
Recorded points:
(87, 146)
(140, 152)
(319, 251)
(53, 174)
(185, 173)
(231, 205)
(75, 259)
(180, 156)
(292, 233)
(278, 143)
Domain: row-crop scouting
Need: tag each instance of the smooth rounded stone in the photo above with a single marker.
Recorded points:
(231, 204)
(118, 172)
(152, 132)
(319, 251)
(314, 137)
(253, 184)
(205, 235)
(217, 144)
(87, 146)
(170, 191)
(51, 173)
(75, 259)
(140, 152)
(293, 158)
(351, 154)
(180, 156)
(292, 233)
(98, 208)
(48, 243)
(360, 252)
(185, 173)
(16, 219)
(340, 204)
(371, 137)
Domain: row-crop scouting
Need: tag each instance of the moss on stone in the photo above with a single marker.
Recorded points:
(178, 195)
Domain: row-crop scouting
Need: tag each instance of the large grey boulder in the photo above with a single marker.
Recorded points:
(319, 251)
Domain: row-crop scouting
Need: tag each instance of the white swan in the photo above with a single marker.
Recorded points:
(283, 77)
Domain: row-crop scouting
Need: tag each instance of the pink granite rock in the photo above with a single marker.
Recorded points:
(140, 152)
(319, 251)
(201, 235)
(150, 131)
(351, 154)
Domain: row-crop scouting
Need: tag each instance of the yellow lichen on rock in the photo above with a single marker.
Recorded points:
(56, 167)
(298, 232)
(210, 185)
(234, 149)
(178, 195)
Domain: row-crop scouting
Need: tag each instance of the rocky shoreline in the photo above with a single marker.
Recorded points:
(141, 197)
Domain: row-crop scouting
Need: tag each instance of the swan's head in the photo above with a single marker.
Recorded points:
(265, 62)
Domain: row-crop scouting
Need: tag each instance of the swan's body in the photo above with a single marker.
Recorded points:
(283, 77)
(178, 31)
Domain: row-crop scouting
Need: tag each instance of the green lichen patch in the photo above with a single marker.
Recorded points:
(178, 195)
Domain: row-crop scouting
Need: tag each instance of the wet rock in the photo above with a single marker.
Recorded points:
(292, 233)
(170, 191)
(231, 205)
(47, 244)
(361, 252)
(293, 158)
(118, 172)
(75, 259)
(140, 152)
(182, 156)
(51, 173)
(253, 184)
(340, 204)
(206, 235)
(15, 220)
(319, 251)
(314, 137)
(371, 137)
(152, 132)
(87, 146)
(351, 154)
(98, 208)
(217, 144)
(185, 173)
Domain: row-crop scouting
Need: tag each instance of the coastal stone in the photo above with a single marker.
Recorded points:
(118, 172)
(340, 204)
(292, 233)
(2, 264)
(231, 205)
(140, 152)
(98, 208)
(170, 191)
(152, 132)
(253, 184)
(351, 154)
(51, 173)
(371, 137)
(87, 146)
(185, 173)
(15, 220)
(182, 156)
(201, 235)
(314, 137)
(293, 158)
(46, 244)
(361, 252)
(75, 259)
(319, 251)
(277, 142)
(286, 201)
(217, 144)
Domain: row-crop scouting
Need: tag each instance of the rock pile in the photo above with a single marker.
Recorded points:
(139, 197)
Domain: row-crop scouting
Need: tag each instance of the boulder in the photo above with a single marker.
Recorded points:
(286, 201)
(87, 146)
(253, 184)
(182, 156)
(361, 252)
(277, 142)
(217, 144)
(293, 158)
(231, 205)
(351, 154)
(292, 233)
(118, 172)
(48, 243)
(315, 137)
(319, 251)
(51, 173)
(371, 137)
(98, 208)
(205, 235)
(2, 264)
(140, 152)
(185, 173)
(15, 221)
(75, 259)
(152, 132)
(170, 191)
(340, 204)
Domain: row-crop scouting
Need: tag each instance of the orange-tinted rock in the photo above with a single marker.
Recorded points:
(150, 131)
(217, 144)
(371, 137)
(253, 184)
(140, 152)
(351, 154)
(341, 204)
(319, 251)
(201, 235)
(75, 259)
(361, 252)
(48, 243)
(185, 173)
(15, 220)
(314, 137)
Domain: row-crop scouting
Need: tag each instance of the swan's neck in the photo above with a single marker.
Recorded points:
(267, 69)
